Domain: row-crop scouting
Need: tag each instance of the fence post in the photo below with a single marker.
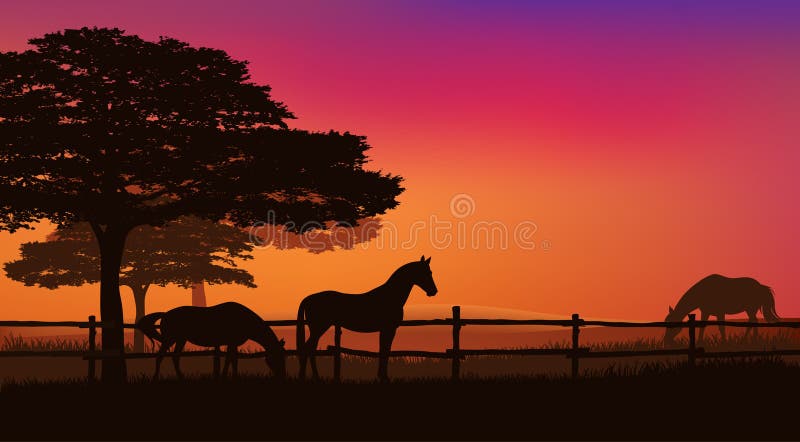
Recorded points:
(92, 346)
(692, 342)
(337, 353)
(456, 342)
(576, 331)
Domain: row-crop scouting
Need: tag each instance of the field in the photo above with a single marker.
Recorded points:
(505, 397)
(719, 400)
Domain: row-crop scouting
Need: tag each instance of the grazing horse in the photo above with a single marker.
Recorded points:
(719, 295)
(230, 324)
(378, 310)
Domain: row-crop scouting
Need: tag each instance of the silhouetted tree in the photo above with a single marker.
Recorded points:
(199, 294)
(107, 128)
(335, 236)
(181, 252)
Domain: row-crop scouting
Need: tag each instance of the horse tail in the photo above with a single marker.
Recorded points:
(768, 309)
(147, 325)
(301, 337)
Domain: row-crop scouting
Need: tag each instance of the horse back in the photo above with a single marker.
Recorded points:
(722, 294)
(229, 323)
(357, 312)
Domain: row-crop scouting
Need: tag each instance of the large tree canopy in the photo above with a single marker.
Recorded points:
(182, 252)
(108, 128)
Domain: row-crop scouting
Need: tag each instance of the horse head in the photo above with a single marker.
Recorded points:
(669, 335)
(276, 359)
(423, 276)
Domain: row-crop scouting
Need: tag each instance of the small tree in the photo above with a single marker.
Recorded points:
(101, 127)
(181, 252)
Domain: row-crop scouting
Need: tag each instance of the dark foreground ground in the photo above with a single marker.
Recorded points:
(732, 401)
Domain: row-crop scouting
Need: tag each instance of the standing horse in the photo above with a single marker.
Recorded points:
(230, 324)
(378, 310)
(719, 295)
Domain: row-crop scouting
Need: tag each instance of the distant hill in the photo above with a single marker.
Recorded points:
(435, 311)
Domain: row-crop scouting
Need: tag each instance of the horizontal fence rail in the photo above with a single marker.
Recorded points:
(449, 322)
(574, 352)
(189, 353)
(48, 324)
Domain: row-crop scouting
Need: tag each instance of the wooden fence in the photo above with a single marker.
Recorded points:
(575, 353)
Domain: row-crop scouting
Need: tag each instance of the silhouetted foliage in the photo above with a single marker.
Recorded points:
(335, 236)
(107, 128)
(181, 252)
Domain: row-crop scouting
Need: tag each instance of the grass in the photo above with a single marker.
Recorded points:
(643, 370)
(19, 343)
(498, 398)
(364, 369)
(12, 342)
(735, 341)
(720, 399)
(783, 339)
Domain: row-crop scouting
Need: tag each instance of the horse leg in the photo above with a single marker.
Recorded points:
(233, 356)
(176, 357)
(161, 353)
(751, 316)
(227, 363)
(387, 336)
(721, 317)
(302, 354)
(230, 361)
(314, 333)
(216, 362)
(703, 317)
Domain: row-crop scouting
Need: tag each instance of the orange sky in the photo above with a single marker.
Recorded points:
(649, 152)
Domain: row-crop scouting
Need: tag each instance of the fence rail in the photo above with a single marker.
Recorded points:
(575, 352)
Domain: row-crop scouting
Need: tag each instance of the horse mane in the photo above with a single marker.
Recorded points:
(402, 270)
(272, 337)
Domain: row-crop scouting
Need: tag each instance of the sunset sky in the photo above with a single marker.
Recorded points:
(650, 144)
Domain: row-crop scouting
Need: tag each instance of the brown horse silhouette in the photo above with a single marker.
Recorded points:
(719, 295)
(378, 310)
(230, 324)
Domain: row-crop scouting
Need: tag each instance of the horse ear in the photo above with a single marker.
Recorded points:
(422, 258)
(428, 261)
(283, 342)
(670, 309)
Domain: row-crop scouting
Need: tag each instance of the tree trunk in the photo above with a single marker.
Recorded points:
(112, 246)
(139, 293)
(199, 294)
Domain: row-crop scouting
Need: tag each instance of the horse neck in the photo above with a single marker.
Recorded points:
(266, 338)
(397, 288)
(686, 304)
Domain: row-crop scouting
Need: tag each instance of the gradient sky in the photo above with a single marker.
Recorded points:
(652, 143)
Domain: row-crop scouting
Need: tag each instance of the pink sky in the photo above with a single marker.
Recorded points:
(651, 145)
